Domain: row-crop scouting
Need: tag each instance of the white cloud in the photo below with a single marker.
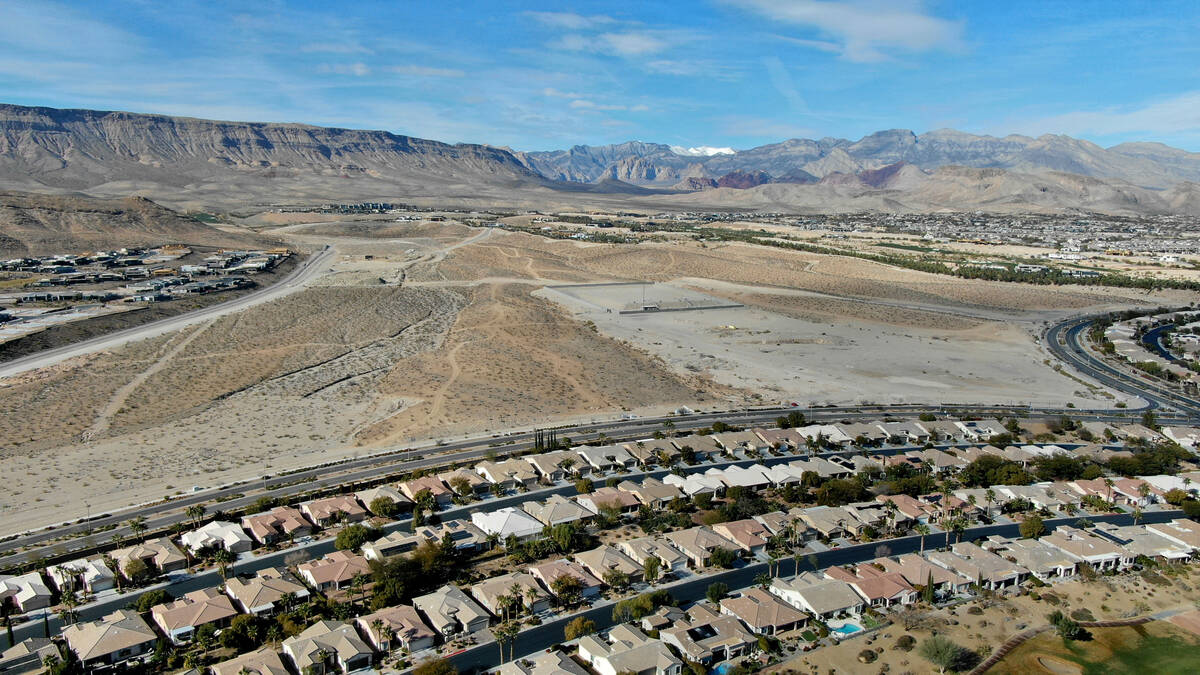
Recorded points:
(625, 44)
(587, 104)
(426, 71)
(695, 68)
(570, 20)
(554, 93)
(358, 69)
(1167, 116)
(863, 30)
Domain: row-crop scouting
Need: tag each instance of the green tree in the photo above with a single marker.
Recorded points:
(722, 557)
(568, 589)
(940, 651)
(578, 627)
(583, 486)
(195, 513)
(151, 598)
(651, 569)
(136, 571)
(716, 591)
(1032, 527)
(384, 506)
(352, 537)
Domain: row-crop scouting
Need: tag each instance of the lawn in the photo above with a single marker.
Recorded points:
(808, 636)
(1160, 648)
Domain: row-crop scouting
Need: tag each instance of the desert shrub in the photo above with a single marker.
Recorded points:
(867, 656)
(905, 643)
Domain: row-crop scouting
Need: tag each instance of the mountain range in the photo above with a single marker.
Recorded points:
(195, 163)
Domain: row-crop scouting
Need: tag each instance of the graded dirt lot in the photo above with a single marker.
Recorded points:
(991, 623)
(430, 330)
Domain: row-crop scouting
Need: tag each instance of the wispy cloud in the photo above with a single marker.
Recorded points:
(570, 20)
(358, 69)
(863, 30)
(625, 44)
(586, 104)
(334, 48)
(426, 71)
(1178, 114)
(554, 93)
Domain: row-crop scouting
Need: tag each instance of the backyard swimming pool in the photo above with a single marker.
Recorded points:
(846, 629)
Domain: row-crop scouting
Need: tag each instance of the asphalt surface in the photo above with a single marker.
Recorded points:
(1153, 341)
(693, 589)
(1159, 397)
(289, 284)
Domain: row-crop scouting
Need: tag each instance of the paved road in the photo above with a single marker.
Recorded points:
(1153, 341)
(164, 515)
(1075, 353)
(536, 638)
(292, 283)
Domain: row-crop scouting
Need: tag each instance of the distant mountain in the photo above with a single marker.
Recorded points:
(1146, 164)
(119, 153)
(187, 163)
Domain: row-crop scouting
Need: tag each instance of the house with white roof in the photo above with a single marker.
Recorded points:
(752, 477)
(696, 483)
(671, 559)
(905, 432)
(1044, 561)
(625, 649)
(1141, 541)
(215, 536)
(508, 522)
(1097, 551)
(1181, 531)
(86, 574)
(26, 592)
(820, 596)
(606, 457)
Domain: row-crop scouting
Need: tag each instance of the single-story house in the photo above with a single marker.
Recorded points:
(180, 619)
(625, 502)
(26, 592)
(749, 535)
(118, 637)
(217, 535)
(557, 509)
(508, 522)
(698, 543)
(335, 571)
(509, 474)
(398, 627)
(86, 574)
(279, 524)
(763, 613)
(548, 572)
(263, 594)
(652, 492)
(820, 596)
(558, 465)
(370, 495)
(641, 549)
(708, 637)
(328, 646)
(442, 495)
(696, 483)
(262, 661)
(605, 559)
(333, 510)
(491, 593)
(626, 649)
(450, 611)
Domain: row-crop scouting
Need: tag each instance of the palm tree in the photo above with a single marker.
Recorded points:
(70, 600)
(1108, 483)
(772, 561)
(505, 633)
(138, 526)
(990, 495)
(796, 562)
(195, 513)
(922, 529)
(531, 596)
(357, 584)
(224, 560)
(1137, 514)
(377, 629)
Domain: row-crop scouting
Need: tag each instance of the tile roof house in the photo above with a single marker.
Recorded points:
(558, 465)
(263, 661)
(327, 644)
(1043, 561)
(332, 510)
(118, 637)
(336, 570)
(828, 433)
(28, 655)
(651, 492)
(1181, 531)
(491, 593)
(441, 494)
(918, 571)
(626, 502)
(509, 474)
(905, 432)
(463, 535)
(86, 574)
(705, 447)
(645, 454)
(557, 510)
(606, 457)
(779, 438)
(545, 663)
(763, 613)
(975, 564)
(1093, 549)
(830, 522)
(549, 571)
(365, 497)
(870, 433)
(708, 637)
(698, 543)
(822, 467)
(911, 508)
(217, 535)
(179, 620)
(26, 592)
(820, 596)
(399, 627)
(262, 594)
(605, 559)
(627, 649)
(741, 440)
(942, 430)
(478, 485)
(450, 611)
(508, 522)
(877, 587)
(749, 535)
(1140, 541)
(278, 524)
(696, 483)
(641, 549)
(158, 554)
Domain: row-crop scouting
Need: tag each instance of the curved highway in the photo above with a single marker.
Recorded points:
(1074, 352)
(290, 284)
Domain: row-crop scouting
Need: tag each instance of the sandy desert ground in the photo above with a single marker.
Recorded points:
(424, 331)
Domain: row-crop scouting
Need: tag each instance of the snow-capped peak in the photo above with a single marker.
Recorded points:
(701, 151)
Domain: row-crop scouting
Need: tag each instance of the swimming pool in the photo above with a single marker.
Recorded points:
(846, 629)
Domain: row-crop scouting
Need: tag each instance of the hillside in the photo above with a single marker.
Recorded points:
(184, 161)
(46, 224)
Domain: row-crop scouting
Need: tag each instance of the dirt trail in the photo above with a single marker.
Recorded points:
(114, 405)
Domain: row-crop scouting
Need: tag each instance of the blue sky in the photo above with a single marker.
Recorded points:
(536, 76)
